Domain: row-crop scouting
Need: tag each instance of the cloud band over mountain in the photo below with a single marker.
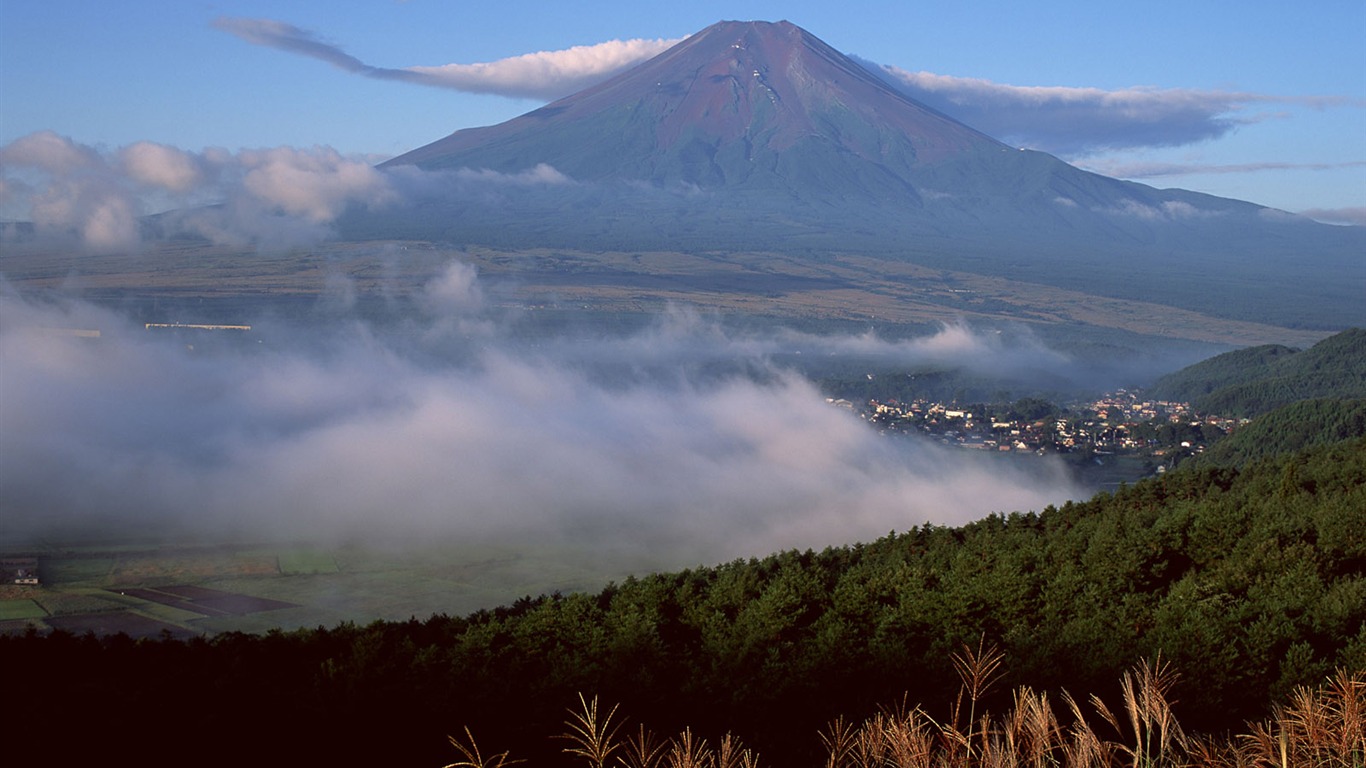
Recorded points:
(1064, 120)
(544, 75)
(278, 196)
(1069, 120)
(1150, 170)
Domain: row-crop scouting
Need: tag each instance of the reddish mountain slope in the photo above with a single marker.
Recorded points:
(756, 135)
(740, 104)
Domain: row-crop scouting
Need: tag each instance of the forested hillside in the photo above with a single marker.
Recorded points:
(1237, 367)
(1249, 581)
(1288, 429)
(1252, 381)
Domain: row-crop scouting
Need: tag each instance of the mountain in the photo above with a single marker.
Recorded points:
(757, 136)
(744, 106)
(1240, 366)
(740, 105)
(1249, 382)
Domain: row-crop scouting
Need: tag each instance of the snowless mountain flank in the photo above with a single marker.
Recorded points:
(759, 136)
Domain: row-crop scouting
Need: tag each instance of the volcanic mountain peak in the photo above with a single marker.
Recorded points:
(739, 104)
(750, 76)
(754, 136)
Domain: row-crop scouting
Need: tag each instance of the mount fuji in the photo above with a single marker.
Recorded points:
(757, 136)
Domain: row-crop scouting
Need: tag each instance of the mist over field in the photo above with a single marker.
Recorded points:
(640, 445)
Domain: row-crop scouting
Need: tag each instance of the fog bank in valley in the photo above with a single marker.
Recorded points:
(452, 429)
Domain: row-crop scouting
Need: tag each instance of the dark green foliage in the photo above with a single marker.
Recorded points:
(1237, 367)
(1289, 429)
(1250, 580)
(1253, 381)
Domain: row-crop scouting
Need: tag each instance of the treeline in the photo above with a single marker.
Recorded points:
(955, 386)
(1253, 381)
(1249, 581)
(1288, 429)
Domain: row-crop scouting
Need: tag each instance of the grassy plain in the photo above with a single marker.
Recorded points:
(190, 282)
(21, 608)
(294, 562)
(328, 584)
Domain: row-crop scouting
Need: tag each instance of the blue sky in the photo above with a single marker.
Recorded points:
(1254, 100)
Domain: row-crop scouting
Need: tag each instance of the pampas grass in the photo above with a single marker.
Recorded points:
(594, 739)
(1317, 728)
(473, 758)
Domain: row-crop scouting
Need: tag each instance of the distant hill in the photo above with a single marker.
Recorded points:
(1237, 367)
(1289, 429)
(1253, 381)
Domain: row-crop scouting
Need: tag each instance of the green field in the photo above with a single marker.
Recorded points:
(11, 610)
(328, 584)
(302, 561)
(76, 570)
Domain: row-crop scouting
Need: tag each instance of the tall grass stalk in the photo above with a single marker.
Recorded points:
(594, 738)
(978, 670)
(730, 753)
(840, 740)
(1152, 724)
(473, 759)
(688, 751)
(1316, 728)
(642, 750)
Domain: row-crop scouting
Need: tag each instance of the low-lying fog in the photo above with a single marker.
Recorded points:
(450, 427)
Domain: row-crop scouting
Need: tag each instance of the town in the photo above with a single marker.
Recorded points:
(1119, 423)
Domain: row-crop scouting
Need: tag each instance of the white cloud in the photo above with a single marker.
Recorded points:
(1073, 121)
(1137, 210)
(541, 174)
(158, 165)
(1353, 216)
(1178, 209)
(273, 197)
(66, 188)
(546, 74)
(48, 152)
(1129, 169)
(954, 345)
(453, 302)
(315, 184)
(280, 195)
(1170, 210)
(110, 224)
(541, 75)
(349, 434)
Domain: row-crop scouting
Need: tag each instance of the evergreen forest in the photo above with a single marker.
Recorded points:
(1250, 382)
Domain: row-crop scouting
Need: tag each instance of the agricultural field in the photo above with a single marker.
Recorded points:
(300, 561)
(21, 608)
(145, 590)
(211, 283)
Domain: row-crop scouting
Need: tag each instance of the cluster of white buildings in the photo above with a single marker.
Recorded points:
(1120, 421)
